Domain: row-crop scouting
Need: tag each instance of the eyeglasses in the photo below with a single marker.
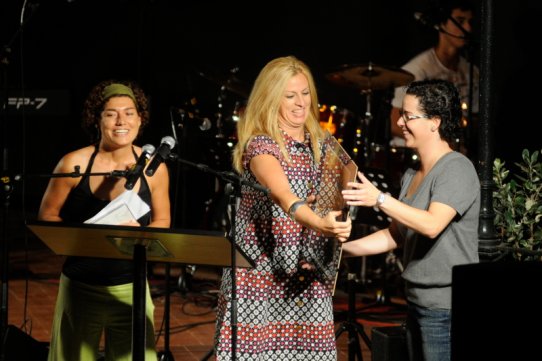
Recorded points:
(409, 117)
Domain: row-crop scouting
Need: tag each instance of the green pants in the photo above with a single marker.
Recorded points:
(83, 312)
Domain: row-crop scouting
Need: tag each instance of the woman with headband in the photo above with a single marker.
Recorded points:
(94, 300)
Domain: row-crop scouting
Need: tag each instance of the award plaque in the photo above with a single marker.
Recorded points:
(337, 169)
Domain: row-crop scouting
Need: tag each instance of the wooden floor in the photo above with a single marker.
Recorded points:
(33, 285)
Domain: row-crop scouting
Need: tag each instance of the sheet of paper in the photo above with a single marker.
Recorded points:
(126, 207)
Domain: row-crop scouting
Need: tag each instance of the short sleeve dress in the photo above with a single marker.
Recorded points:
(283, 312)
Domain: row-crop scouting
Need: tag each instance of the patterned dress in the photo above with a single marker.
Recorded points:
(283, 312)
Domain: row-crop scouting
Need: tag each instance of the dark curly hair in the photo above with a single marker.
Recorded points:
(94, 105)
(439, 98)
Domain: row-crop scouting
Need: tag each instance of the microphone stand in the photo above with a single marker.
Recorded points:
(166, 354)
(233, 190)
(5, 179)
(77, 173)
(470, 45)
(7, 189)
(229, 177)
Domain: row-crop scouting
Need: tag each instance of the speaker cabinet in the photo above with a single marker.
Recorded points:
(389, 344)
(497, 311)
(19, 346)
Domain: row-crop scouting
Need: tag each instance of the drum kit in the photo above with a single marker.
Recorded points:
(366, 138)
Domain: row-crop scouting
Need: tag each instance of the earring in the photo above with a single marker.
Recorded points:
(433, 129)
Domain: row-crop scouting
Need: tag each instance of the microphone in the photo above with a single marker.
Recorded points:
(426, 20)
(166, 145)
(133, 174)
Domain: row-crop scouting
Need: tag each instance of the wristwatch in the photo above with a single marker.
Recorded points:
(380, 199)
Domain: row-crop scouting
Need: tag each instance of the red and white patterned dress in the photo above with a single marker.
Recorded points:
(283, 312)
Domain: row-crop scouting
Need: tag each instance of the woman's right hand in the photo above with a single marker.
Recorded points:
(362, 193)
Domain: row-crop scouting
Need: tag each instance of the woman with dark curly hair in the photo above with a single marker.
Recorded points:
(95, 294)
(434, 219)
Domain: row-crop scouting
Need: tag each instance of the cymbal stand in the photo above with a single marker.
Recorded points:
(365, 127)
(221, 97)
(371, 129)
(219, 114)
(351, 325)
(361, 141)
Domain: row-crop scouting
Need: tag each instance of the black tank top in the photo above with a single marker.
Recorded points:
(81, 205)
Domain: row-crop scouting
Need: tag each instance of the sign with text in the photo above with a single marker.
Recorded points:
(39, 102)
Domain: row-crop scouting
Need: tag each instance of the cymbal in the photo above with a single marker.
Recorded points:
(229, 82)
(369, 77)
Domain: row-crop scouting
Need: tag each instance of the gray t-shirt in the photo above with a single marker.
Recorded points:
(428, 262)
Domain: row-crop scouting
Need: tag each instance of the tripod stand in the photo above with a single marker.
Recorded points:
(351, 325)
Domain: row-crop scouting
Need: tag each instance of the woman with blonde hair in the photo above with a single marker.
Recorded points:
(284, 306)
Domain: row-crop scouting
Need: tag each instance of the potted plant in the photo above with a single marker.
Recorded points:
(517, 202)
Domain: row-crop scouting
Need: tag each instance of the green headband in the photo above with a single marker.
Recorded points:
(116, 89)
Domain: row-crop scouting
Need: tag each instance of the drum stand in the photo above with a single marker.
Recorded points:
(366, 133)
(351, 325)
(361, 141)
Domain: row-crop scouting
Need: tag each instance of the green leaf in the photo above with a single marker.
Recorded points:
(517, 203)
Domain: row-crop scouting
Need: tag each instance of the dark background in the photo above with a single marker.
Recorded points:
(185, 50)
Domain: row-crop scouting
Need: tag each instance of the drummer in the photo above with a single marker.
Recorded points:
(444, 61)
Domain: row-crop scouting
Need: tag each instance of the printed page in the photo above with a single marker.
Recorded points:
(127, 207)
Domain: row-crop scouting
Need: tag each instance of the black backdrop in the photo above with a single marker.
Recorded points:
(68, 46)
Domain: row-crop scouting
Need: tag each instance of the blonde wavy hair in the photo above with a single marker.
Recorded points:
(262, 111)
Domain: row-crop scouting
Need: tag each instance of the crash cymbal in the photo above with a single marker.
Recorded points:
(369, 77)
(229, 82)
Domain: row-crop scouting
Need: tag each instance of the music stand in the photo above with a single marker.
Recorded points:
(139, 244)
(374, 219)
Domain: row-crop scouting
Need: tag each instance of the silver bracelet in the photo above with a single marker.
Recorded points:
(293, 208)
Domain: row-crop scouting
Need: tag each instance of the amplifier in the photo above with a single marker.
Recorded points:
(389, 344)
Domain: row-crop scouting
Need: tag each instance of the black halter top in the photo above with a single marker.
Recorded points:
(81, 205)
